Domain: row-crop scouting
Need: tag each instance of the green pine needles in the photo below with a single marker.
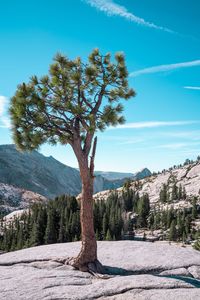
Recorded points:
(74, 100)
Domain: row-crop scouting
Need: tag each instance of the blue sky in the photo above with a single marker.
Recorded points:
(161, 41)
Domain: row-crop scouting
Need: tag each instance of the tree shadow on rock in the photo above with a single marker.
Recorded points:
(193, 281)
(116, 271)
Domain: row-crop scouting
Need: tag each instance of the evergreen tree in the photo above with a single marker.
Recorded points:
(183, 237)
(194, 208)
(163, 194)
(151, 221)
(97, 235)
(197, 244)
(157, 219)
(170, 216)
(61, 234)
(184, 194)
(174, 194)
(143, 210)
(172, 231)
(105, 225)
(135, 201)
(164, 220)
(127, 196)
(180, 192)
(68, 106)
(180, 227)
(35, 235)
(50, 234)
(108, 236)
(187, 225)
(38, 227)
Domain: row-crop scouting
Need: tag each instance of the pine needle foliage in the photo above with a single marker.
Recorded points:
(73, 101)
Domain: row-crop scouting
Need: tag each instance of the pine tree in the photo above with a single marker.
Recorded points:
(151, 221)
(180, 192)
(170, 216)
(194, 208)
(97, 235)
(68, 106)
(187, 225)
(38, 227)
(50, 234)
(108, 236)
(135, 202)
(174, 194)
(197, 245)
(180, 226)
(143, 210)
(163, 194)
(157, 219)
(183, 237)
(172, 231)
(61, 234)
(105, 225)
(164, 220)
(127, 196)
(184, 194)
(35, 235)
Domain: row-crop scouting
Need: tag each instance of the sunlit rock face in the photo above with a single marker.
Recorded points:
(188, 176)
(15, 199)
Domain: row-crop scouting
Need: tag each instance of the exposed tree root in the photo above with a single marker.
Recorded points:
(95, 268)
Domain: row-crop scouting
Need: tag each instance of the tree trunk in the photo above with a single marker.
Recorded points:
(88, 253)
(87, 258)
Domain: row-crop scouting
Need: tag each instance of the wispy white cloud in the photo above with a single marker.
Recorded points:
(2, 104)
(4, 120)
(192, 87)
(173, 146)
(110, 8)
(153, 124)
(176, 146)
(165, 68)
(193, 135)
(132, 141)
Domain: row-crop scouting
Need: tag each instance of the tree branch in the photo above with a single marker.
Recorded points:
(87, 144)
(92, 157)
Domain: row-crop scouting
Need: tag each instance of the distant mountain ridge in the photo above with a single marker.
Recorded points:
(35, 172)
(49, 177)
(120, 175)
(113, 175)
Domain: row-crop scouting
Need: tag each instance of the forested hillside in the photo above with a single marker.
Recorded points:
(117, 218)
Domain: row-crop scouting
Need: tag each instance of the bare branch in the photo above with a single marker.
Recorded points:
(88, 142)
(92, 157)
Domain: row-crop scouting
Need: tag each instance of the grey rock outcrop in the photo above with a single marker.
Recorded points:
(187, 176)
(12, 198)
(137, 269)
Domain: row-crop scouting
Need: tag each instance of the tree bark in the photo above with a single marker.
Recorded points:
(88, 253)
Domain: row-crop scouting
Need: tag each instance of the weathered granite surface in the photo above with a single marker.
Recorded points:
(141, 270)
(188, 176)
